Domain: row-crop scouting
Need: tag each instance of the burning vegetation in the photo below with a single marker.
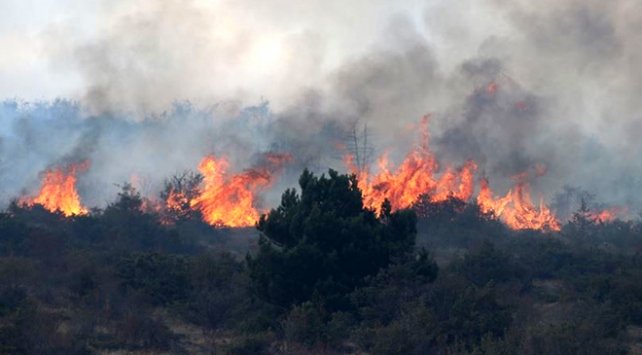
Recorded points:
(421, 175)
(230, 200)
(58, 191)
(326, 268)
(221, 197)
(417, 175)
(606, 215)
(516, 208)
(235, 203)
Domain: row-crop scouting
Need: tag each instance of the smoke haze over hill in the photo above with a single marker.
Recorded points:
(144, 89)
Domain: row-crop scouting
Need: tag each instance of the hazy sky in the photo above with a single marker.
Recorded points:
(25, 27)
(567, 72)
(213, 50)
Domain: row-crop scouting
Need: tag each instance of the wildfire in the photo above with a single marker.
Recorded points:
(606, 215)
(516, 208)
(419, 175)
(58, 191)
(230, 200)
(416, 176)
(176, 201)
(602, 216)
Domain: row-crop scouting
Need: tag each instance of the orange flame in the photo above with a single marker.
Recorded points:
(176, 200)
(231, 200)
(606, 215)
(58, 191)
(516, 208)
(602, 216)
(416, 176)
(419, 175)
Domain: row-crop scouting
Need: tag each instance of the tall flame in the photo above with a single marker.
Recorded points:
(58, 191)
(416, 176)
(419, 175)
(516, 208)
(230, 200)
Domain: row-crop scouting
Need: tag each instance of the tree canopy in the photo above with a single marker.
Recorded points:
(322, 243)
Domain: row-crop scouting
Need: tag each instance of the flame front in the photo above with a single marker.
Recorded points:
(231, 200)
(416, 176)
(419, 175)
(58, 192)
(516, 208)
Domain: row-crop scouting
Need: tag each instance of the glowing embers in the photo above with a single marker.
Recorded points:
(606, 215)
(58, 191)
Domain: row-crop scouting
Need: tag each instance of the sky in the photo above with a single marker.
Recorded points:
(215, 50)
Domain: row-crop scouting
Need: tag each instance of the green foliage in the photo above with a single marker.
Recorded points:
(26, 328)
(305, 324)
(332, 277)
(323, 243)
(569, 338)
(486, 264)
(540, 257)
(163, 278)
(127, 223)
(473, 314)
(129, 202)
(454, 223)
(254, 344)
(140, 331)
(13, 233)
(412, 331)
(11, 299)
(218, 287)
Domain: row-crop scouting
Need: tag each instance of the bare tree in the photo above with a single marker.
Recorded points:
(178, 193)
(359, 146)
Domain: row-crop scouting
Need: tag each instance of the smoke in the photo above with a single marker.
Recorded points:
(511, 84)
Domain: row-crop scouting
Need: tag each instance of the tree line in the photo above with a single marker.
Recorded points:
(320, 274)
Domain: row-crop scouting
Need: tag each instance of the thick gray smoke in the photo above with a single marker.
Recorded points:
(513, 85)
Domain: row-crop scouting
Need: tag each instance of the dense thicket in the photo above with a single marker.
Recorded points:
(322, 243)
(320, 275)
